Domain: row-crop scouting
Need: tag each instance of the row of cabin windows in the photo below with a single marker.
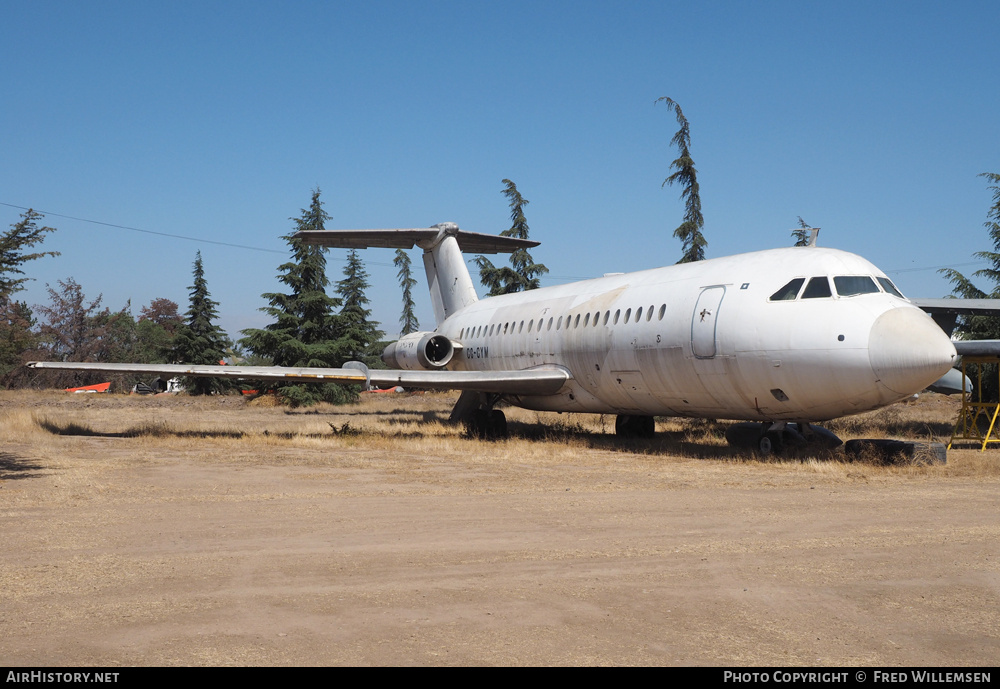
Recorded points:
(846, 286)
(572, 321)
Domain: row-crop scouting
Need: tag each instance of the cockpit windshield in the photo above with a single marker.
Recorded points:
(890, 288)
(817, 288)
(846, 286)
(789, 291)
(852, 285)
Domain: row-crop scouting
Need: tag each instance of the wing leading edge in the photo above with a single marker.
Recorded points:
(539, 381)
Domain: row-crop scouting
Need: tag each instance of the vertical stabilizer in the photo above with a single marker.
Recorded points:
(448, 276)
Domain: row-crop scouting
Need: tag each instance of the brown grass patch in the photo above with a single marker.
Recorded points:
(415, 425)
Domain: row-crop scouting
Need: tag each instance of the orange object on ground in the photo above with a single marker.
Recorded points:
(100, 387)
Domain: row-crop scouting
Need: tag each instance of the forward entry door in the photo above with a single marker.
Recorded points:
(703, 321)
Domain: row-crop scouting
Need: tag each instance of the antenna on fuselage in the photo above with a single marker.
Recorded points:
(813, 236)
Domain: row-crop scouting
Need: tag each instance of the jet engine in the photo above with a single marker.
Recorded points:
(419, 351)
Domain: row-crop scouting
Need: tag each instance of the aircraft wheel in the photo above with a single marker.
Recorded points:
(498, 424)
(646, 426)
(629, 426)
(622, 425)
(487, 424)
(769, 444)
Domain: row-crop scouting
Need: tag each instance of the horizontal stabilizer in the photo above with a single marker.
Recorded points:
(425, 238)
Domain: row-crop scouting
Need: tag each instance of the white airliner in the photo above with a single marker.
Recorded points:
(800, 334)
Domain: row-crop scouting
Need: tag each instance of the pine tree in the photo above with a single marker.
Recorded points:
(359, 334)
(17, 335)
(408, 319)
(18, 340)
(199, 340)
(21, 235)
(523, 273)
(982, 327)
(693, 242)
(306, 330)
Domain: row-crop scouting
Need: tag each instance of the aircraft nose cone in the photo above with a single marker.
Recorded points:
(908, 351)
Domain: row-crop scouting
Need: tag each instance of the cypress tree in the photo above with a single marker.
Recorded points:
(408, 319)
(693, 242)
(523, 273)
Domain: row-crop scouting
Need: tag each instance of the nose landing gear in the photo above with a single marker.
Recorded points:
(767, 439)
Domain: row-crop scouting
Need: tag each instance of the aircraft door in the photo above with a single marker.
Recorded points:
(703, 322)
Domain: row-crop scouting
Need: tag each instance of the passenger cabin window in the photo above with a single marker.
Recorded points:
(817, 288)
(889, 287)
(852, 285)
(789, 291)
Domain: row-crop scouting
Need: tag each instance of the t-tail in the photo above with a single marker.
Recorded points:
(448, 278)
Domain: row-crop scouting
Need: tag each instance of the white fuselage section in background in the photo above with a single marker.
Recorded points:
(707, 340)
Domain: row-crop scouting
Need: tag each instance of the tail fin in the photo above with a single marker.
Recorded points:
(448, 276)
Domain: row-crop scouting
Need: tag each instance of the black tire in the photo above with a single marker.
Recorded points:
(629, 426)
(498, 424)
(770, 444)
(895, 451)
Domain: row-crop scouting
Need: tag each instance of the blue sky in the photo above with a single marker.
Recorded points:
(217, 120)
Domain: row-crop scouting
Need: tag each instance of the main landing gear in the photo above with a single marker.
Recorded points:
(475, 410)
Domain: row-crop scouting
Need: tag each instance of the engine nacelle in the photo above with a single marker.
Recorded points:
(419, 352)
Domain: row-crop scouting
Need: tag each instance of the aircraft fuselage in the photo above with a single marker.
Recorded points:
(710, 339)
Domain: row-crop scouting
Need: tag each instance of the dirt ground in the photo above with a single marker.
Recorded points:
(179, 531)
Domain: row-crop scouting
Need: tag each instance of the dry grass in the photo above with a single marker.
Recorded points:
(402, 427)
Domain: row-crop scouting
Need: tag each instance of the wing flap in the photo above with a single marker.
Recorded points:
(530, 382)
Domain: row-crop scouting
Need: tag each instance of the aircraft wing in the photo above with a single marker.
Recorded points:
(543, 381)
(945, 312)
(977, 347)
(977, 307)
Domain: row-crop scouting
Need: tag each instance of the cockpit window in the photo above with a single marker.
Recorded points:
(817, 288)
(789, 291)
(851, 285)
(889, 287)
